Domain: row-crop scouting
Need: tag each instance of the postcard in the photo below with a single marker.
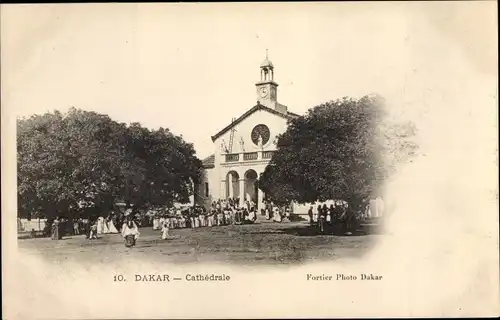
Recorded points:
(250, 160)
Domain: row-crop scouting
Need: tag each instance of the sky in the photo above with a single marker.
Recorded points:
(192, 67)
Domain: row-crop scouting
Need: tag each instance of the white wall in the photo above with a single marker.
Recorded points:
(200, 197)
(276, 125)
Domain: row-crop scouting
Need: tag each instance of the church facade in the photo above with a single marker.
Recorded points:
(243, 149)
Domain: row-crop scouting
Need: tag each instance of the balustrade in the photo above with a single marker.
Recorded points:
(233, 157)
(267, 154)
(250, 156)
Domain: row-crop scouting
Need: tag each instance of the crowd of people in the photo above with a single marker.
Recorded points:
(335, 215)
(128, 221)
(113, 223)
(221, 212)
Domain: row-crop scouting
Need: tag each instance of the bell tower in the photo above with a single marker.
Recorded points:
(267, 89)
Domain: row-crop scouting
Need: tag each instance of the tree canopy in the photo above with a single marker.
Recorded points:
(85, 159)
(340, 150)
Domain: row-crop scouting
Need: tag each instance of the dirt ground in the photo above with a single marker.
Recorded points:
(260, 243)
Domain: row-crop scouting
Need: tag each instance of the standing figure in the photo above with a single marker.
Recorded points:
(76, 227)
(310, 213)
(242, 144)
(56, 232)
(130, 232)
(318, 213)
(276, 214)
(322, 217)
(100, 227)
(210, 218)
(111, 225)
(332, 213)
(105, 228)
(161, 222)
(156, 222)
(93, 230)
(164, 230)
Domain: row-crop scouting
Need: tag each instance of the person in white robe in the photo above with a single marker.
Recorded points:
(105, 228)
(156, 223)
(161, 221)
(209, 219)
(164, 230)
(251, 216)
(111, 227)
(130, 232)
(373, 208)
(380, 207)
(276, 214)
(100, 225)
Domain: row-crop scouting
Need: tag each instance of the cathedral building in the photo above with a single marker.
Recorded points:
(243, 149)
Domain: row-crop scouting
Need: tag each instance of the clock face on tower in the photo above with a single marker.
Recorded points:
(262, 131)
(263, 92)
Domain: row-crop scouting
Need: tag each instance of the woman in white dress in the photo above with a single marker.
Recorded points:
(105, 228)
(276, 214)
(111, 226)
(100, 225)
(164, 230)
(161, 221)
(156, 222)
(208, 221)
(130, 232)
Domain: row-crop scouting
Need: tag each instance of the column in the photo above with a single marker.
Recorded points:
(223, 193)
(242, 192)
(230, 185)
(260, 200)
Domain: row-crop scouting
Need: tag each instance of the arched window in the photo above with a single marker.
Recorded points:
(206, 189)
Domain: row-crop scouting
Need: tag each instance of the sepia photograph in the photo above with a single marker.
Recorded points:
(299, 159)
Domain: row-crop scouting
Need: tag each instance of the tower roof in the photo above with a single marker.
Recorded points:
(266, 63)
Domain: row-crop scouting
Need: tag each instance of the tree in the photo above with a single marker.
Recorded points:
(343, 150)
(85, 159)
(168, 167)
